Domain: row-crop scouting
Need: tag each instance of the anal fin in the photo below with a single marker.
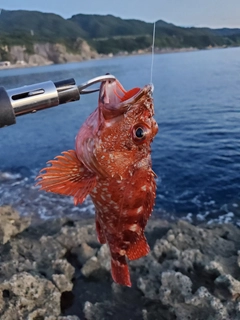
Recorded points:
(138, 249)
(67, 176)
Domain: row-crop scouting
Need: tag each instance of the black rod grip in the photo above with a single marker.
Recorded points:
(7, 116)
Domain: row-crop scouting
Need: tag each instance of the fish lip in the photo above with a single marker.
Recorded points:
(110, 94)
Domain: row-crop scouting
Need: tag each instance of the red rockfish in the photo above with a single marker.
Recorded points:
(112, 163)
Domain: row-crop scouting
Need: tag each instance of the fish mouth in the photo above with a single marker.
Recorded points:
(114, 99)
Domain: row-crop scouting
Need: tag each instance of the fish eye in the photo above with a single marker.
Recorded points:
(139, 132)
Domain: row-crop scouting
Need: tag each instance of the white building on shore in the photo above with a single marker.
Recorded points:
(5, 63)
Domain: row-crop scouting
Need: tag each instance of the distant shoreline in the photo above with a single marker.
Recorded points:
(26, 65)
(110, 56)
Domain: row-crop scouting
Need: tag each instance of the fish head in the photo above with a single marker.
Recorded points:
(118, 135)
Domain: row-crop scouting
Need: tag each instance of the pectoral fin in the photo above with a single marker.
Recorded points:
(67, 176)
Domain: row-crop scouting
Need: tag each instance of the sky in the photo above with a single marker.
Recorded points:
(199, 13)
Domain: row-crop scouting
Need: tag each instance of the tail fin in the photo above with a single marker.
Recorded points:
(120, 271)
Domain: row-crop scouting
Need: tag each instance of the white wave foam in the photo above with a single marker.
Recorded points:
(202, 216)
(9, 176)
(224, 218)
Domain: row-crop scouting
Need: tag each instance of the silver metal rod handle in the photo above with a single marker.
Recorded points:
(43, 95)
(31, 98)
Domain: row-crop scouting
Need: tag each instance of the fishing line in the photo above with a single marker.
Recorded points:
(153, 44)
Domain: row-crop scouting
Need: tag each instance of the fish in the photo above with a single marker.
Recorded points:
(112, 163)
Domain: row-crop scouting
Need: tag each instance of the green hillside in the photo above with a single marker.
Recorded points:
(113, 34)
(26, 27)
(105, 33)
(98, 26)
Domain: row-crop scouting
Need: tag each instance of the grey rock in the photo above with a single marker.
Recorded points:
(175, 288)
(104, 257)
(67, 318)
(62, 283)
(97, 311)
(149, 288)
(91, 267)
(163, 248)
(72, 237)
(9, 268)
(149, 273)
(40, 314)
(238, 259)
(228, 285)
(11, 223)
(188, 260)
(24, 293)
(84, 252)
(204, 306)
(214, 268)
(188, 236)
(62, 266)
(201, 254)
(42, 250)
(34, 255)
(89, 311)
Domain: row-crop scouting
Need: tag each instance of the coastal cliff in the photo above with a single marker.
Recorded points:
(47, 53)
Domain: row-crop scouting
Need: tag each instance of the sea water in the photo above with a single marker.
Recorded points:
(196, 154)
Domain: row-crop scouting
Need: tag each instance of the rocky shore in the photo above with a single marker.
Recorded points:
(56, 270)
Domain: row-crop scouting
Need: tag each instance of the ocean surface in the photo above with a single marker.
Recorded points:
(196, 153)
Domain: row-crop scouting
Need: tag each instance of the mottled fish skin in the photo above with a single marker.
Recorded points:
(113, 156)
